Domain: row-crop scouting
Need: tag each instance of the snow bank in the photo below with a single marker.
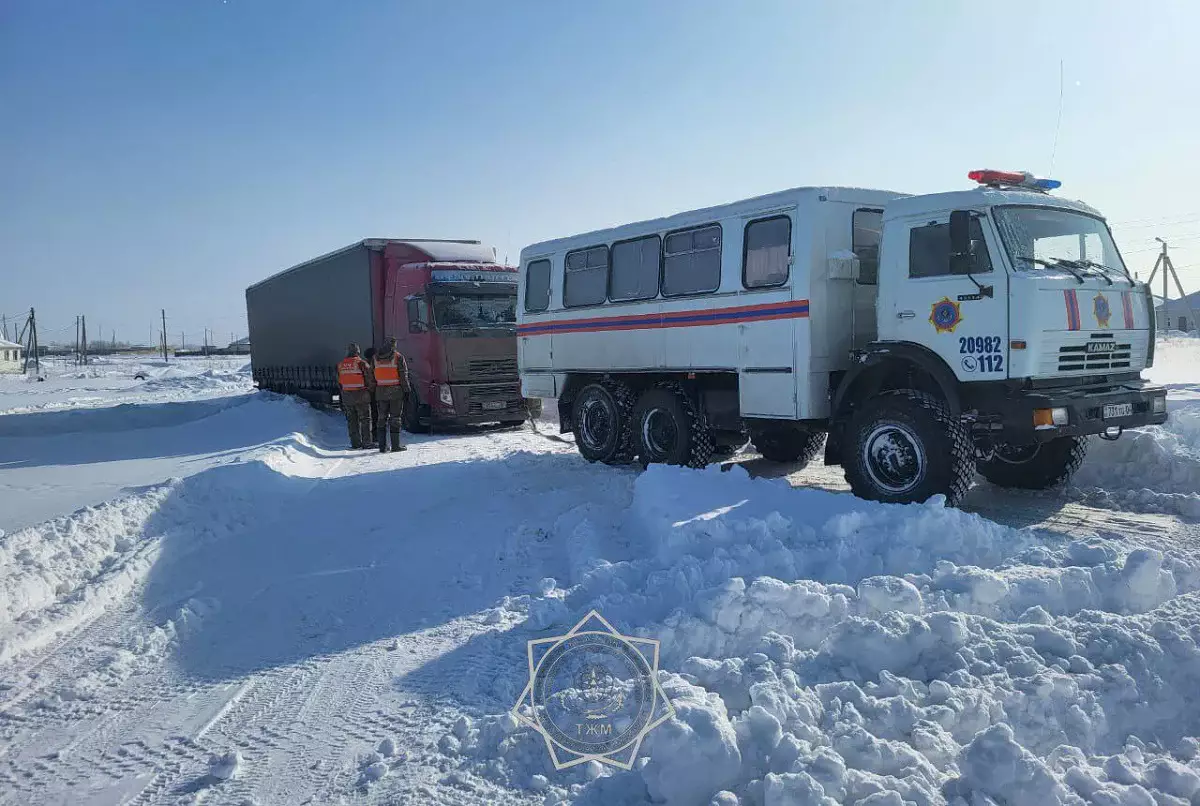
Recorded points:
(1156, 468)
(64, 572)
(821, 649)
(55, 575)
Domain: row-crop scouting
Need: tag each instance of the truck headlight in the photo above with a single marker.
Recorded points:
(445, 395)
(1158, 405)
(1044, 418)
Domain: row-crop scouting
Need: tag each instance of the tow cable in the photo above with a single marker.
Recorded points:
(529, 418)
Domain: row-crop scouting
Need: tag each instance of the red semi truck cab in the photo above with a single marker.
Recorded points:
(455, 323)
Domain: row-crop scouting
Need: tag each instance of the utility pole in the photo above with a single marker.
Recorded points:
(3, 327)
(206, 342)
(85, 350)
(164, 335)
(32, 343)
(1164, 263)
(76, 340)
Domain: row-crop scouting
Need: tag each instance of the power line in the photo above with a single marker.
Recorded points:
(1148, 224)
(1153, 218)
(1156, 249)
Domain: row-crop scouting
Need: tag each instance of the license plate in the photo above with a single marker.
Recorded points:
(1117, 410)
(493, 405)
(1099, 347)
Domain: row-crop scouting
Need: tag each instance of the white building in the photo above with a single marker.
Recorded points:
(11, 356)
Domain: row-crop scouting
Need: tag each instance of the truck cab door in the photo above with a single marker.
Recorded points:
(955, 306)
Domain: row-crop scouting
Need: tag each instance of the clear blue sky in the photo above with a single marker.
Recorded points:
(171, 153)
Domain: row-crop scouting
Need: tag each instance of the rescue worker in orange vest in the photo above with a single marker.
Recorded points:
(355, 376)
(391, 386)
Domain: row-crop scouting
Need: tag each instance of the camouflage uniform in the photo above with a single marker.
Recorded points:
(390, 398)
(356, 402)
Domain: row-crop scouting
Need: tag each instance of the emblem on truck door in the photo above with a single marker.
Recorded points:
(1101, 308)
(945, 315)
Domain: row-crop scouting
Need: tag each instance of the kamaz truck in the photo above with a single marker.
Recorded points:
(917, 338)
(450, 305)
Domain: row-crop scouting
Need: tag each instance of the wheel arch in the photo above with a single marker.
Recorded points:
(896, 365)
(885, 366)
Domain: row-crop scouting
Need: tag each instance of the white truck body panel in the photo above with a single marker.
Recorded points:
(782, 341)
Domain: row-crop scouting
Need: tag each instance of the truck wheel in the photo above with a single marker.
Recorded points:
(670, 430)
(602, 426)
(789, 444)
(410, 418)
(1035, 467)
(905, 446)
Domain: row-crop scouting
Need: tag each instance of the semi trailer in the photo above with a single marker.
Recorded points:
(449, 304)
(915, 338)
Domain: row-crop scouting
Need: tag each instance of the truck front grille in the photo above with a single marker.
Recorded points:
(1101, 352)
(483, 399)
(490, 367)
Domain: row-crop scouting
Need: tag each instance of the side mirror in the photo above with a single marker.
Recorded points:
(960, 242)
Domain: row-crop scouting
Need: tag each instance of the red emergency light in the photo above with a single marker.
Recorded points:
(989, 177)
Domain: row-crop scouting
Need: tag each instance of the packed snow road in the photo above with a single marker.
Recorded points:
(245, 613)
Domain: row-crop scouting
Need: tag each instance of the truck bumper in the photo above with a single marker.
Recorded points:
(474, 404)
(1087, 411)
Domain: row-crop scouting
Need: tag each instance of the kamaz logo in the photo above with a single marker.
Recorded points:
(1099, 347)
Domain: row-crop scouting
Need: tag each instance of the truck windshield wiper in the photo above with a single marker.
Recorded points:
(1107, 269)
(1056, 263)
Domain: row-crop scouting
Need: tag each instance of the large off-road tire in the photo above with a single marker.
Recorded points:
(410, 418)
(669, 429)
(601, 416)
(789, 443)
(1035, 467)
(906, 446)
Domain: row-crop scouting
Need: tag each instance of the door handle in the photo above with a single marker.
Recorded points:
(906, 314)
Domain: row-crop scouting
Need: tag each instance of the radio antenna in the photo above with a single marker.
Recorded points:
(1058, 125)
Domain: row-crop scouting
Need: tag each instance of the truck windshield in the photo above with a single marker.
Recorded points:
(1041, 237)
(456, 312)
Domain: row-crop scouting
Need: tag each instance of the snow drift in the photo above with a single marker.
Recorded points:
(821, 649)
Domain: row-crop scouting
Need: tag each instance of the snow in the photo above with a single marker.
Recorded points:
(205, 596)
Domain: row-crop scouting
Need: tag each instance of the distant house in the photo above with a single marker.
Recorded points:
(1175, 315)
(239, 346)
(11, 356)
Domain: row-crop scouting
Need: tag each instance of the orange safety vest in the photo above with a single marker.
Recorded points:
(350, 374)
(387, 371)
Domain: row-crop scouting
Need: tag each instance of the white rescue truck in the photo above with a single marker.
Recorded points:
(920, 338)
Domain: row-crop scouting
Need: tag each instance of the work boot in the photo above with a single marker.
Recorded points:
(383, 448)
(396, 446)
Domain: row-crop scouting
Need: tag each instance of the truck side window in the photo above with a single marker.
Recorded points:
(866, 227)
(586, 278)
(635, 269)
(418, 322)
(768, 246)
(692, 261)
(537, 285)
(929, 250)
